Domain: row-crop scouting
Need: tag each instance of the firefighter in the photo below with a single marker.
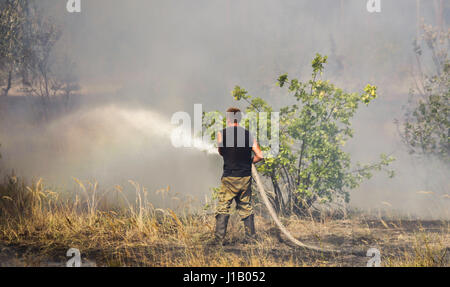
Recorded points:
(239, 150)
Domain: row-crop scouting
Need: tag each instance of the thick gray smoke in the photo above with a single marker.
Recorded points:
(141, 61)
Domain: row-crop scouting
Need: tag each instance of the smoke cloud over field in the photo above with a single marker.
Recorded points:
(141, 61)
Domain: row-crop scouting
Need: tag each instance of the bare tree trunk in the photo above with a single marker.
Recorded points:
(8, 85)
(418, 20)
(444, 24)
(439, 11)
(278, 198)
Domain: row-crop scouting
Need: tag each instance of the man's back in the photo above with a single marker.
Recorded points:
(236, 150)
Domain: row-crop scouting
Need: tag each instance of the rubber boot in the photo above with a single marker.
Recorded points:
(249, 226)
(221, 229)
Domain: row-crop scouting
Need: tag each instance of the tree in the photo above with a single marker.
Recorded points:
(40, 36)
(11, 41)
(65, 81)
(425, 128)
(27, 42)
(311, 164)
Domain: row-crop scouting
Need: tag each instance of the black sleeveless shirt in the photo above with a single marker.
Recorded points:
(236, 150)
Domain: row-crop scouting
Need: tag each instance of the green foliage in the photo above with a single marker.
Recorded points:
(212, 122)
(426, 125)
(311, 164)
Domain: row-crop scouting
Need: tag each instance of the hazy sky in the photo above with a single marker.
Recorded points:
(178, 52)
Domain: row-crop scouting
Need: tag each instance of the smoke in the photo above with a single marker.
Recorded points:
(112, 145)
(141, 61)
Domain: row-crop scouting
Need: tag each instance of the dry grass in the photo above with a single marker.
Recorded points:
(38, 226)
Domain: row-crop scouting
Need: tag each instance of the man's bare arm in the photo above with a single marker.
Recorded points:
(258, 153)
(219, 142)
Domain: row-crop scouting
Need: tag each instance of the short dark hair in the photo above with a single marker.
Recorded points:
(234, 115)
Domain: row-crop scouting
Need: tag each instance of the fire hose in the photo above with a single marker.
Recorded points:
(275, 218)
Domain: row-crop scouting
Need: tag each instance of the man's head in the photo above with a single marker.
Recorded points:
(234, 116)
